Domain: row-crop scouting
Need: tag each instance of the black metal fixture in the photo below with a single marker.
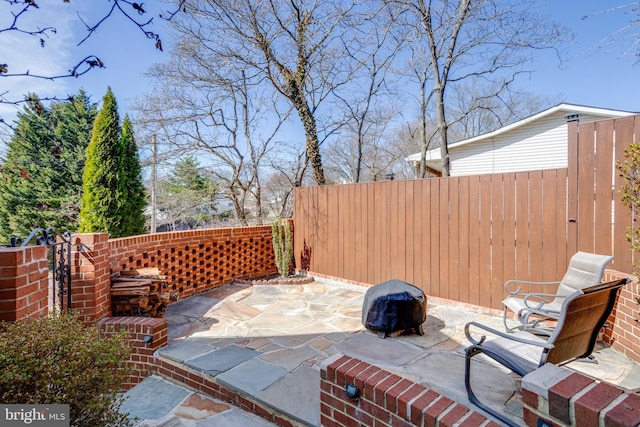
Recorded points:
(296, 183)
(390, 176)
(59, 257)
(352, 391)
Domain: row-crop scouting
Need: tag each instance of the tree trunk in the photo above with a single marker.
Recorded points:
(443, 133)
(311, 131)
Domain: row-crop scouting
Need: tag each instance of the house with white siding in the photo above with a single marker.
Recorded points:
(534, 143)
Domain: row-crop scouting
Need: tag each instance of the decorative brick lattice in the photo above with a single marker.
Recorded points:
(199, 260)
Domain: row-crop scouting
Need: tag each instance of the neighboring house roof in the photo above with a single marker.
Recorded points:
(550, 118)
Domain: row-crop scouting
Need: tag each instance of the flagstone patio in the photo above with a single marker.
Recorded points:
(269, 341)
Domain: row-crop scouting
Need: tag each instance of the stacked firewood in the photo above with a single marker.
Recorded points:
(140, 292)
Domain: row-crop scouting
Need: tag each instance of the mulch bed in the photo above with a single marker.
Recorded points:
(276, 280)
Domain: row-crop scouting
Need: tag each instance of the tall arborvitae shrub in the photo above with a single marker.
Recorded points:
(41, 174)
(134, 199)
(282, 245)
(102, 196)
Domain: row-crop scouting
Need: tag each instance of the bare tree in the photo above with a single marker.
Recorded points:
(230, 125)
(626, 38)
(483, 40)
(296, 46)
(368, 101)
(471, 114)
(19, 14)
(130, 10)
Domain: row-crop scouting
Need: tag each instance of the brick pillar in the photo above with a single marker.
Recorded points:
(90, 276)
(23, 282)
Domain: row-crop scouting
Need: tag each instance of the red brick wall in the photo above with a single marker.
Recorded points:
(624, 330)
(23, 282)
(141, 357)
(385, 399)
(90, 276)
(576, 400)
(198, 260)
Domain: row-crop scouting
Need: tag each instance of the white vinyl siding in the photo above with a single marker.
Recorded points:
(536, 146)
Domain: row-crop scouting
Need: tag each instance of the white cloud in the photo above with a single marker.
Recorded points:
(23, 53)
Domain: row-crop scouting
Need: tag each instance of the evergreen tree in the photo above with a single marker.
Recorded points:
(187, 198)
(132, 188)
(40, 178)
(102, 197)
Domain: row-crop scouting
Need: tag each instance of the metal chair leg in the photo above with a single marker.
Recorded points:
(469, 353)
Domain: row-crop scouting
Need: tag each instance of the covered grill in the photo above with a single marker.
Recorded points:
(394, 306)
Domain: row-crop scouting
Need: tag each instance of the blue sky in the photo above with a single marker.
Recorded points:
(600, 78)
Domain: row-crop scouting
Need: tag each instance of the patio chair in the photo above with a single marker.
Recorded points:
(582, 315)
(531, 309)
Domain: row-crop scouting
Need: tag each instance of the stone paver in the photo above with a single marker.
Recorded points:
(218, 361)
(186, 349)
(297, 394)
(369, 348)
(153, 398)
(269, 341)
(253, 376)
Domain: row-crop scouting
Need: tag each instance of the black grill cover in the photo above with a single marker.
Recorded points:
(394, 306)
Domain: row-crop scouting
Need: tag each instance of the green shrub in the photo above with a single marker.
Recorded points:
(58, 359)
(282, 245)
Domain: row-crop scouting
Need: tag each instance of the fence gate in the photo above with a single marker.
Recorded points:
(59, 262)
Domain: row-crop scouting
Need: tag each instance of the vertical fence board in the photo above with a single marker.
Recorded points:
(509, 221)
(586, 164)
(354, 232)
(486, 291)
(464, 224)
(415, 268)
(603, 228)
(412, 229)
(444, 224)
(550, 217)
(565, 248)
(426, 277)
(402, 209)
(474, 241)
(369, 216)
(454, 220)
(572, 185)
(339, 230)
(535, 226)
(498, 227)
(382, 216)
(522, 225)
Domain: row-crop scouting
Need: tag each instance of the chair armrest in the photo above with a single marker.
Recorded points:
(500, 334)
(524, 282)
(536, 301)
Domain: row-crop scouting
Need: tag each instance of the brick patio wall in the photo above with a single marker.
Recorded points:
(23, 282)
(198, 260)
(559, 397)
(385, 399)
(139, 328)
(623, 329)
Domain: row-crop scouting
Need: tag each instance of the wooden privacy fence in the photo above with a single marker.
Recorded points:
(460, 238)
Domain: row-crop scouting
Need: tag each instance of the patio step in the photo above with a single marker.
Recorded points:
(253, 385)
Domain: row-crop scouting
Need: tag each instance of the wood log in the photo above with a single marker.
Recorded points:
(145, 272)
(139, 291)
